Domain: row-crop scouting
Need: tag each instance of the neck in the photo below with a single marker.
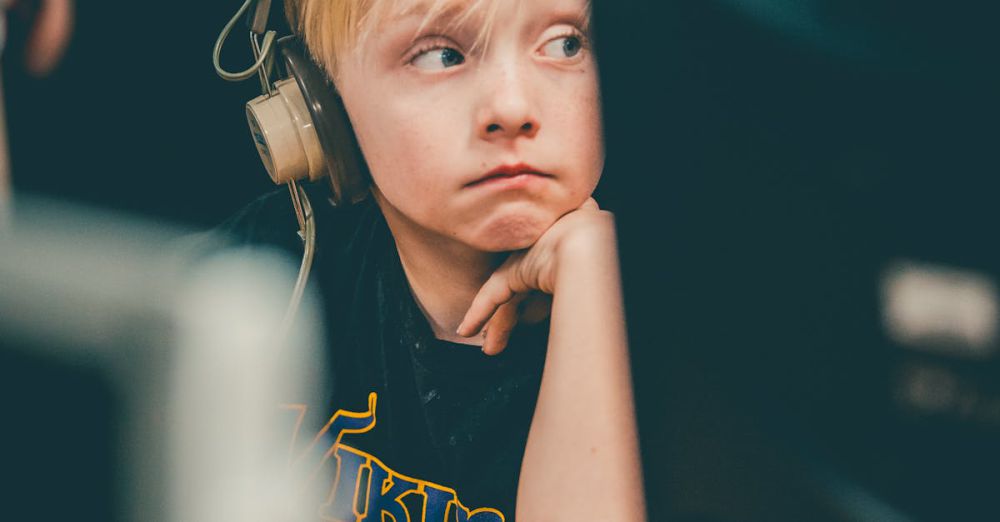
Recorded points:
(444, 275)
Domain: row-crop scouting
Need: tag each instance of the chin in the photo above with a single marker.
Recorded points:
(512, 232)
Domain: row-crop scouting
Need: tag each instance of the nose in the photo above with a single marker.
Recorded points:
(507, 110)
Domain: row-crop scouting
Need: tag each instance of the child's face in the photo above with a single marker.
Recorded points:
(433, 115)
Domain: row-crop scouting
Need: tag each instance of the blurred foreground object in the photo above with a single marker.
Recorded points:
(51, 24)
(142, 384)
(49, 27)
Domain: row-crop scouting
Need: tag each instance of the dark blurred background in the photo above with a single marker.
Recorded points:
(134, 117)
(805, 196)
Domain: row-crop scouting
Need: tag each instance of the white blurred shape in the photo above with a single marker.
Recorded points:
(180, 336)
(230, 452)
(940, 309)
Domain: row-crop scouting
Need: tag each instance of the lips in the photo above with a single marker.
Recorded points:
(508, 171)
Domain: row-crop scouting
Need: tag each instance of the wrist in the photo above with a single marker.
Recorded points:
(588, 253)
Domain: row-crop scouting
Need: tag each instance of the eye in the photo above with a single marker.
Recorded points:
(563, 47)
(437, 58)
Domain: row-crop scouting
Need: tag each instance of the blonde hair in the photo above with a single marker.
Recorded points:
(332, 28)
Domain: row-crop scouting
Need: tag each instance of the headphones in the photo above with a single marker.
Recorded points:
(300, 128)
(299, 124)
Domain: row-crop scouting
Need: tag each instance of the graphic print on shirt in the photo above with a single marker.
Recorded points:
(365, 489)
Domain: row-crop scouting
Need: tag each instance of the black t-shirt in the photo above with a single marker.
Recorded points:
(419, 424)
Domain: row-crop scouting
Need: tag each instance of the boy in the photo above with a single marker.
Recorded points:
(480, 124)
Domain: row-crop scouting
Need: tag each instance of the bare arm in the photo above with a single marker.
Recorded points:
(582, 458)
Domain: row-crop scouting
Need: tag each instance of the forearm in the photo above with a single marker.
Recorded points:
(581, 461)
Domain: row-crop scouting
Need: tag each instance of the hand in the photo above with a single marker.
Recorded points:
(521, 286)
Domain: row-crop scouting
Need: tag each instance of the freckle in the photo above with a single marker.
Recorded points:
(593, 451)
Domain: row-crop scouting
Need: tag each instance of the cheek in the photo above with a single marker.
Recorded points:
(406, 153)
(591, 141)
(583, 135)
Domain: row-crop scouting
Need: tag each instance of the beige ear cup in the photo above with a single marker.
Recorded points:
(285, 135)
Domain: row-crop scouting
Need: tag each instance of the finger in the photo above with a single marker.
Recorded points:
(494, 293)
(500, 326)
(590, 204)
